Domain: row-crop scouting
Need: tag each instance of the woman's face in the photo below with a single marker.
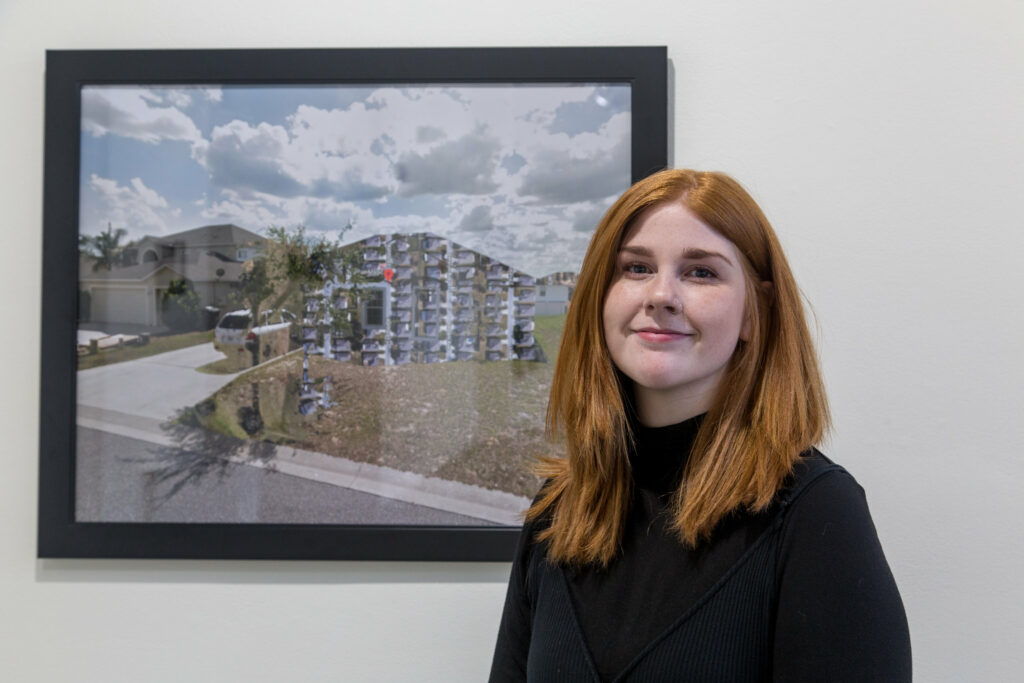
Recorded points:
(674, 312)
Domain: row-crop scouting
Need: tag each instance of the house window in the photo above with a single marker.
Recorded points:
(373, 309)
(150, 256)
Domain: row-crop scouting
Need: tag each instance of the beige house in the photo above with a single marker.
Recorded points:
(554, 292)
(212, 258)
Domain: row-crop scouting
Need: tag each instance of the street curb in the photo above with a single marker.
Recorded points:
(464, 499)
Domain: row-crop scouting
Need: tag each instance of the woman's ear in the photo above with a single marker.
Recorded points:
(768, 288)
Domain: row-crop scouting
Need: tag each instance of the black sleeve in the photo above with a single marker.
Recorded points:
(510, 653)
(840, 617)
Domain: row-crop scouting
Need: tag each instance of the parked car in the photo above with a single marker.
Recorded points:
(235, 336)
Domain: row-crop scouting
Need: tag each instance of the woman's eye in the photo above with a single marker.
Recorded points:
(701, 273)
(637, 269)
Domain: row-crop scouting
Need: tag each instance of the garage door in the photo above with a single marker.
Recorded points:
(118, 306)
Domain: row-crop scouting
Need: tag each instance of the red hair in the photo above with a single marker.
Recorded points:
(770, 407)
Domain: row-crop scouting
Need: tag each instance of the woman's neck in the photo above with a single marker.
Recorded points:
(662, 408)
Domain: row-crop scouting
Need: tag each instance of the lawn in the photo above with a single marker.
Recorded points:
(156, 345)
(548, 331)
(476, 422)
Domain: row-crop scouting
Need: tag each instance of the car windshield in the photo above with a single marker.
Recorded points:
(234, 322)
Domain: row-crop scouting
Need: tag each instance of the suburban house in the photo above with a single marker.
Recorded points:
(128, 295)
(554, 292)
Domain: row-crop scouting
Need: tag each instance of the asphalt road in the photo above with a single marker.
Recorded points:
(120, 479)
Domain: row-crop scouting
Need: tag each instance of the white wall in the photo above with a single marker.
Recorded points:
(884, 140)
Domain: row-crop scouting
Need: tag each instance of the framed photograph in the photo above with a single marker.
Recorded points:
(306, 304)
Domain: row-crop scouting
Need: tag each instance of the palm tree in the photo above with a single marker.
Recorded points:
(103, 248)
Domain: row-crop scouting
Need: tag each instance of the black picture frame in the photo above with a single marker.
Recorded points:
(59, 534)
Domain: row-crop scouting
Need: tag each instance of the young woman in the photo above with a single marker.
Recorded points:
(692, 532)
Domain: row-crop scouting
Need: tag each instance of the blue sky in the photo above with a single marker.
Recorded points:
(520, 173)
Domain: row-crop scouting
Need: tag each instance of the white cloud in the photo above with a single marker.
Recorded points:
(146, 195)
(463, 166)
(478, 219)
(255, 212)
(135, 207)
(587, 166)
(586, 215)
(131, 112)
(423, 141)
(250, 214)
(178, 98)
(249, 159)
(404, 141)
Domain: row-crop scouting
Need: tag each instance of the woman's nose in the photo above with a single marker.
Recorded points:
(663, 294)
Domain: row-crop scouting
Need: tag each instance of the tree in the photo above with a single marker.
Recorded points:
(254, 286)
(297, 261)
(294, 262)
(180, 305)
(104, 248)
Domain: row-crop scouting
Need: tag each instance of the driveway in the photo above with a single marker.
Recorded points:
(156, 387)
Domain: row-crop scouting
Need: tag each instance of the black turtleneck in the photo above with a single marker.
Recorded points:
(655, 579)
(838, 614)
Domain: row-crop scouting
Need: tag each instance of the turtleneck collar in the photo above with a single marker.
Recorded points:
(659, 455)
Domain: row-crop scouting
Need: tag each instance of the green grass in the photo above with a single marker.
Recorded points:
(224, 366)
(156, 345)
(548, 331)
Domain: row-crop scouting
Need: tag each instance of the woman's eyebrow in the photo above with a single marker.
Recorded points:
(693, 253)
(698, 254)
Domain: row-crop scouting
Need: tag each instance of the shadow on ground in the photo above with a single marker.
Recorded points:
(198, 454)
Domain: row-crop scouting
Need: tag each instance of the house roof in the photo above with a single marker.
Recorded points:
(137, 273)
(226, 234)
(197, 266)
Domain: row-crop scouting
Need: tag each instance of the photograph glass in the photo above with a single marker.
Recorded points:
(307, 304)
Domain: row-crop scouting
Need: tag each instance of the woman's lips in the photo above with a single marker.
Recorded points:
(656, 335)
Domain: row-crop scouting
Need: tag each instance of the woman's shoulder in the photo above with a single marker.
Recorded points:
(830, 562)
(813, 474)
(822, 500)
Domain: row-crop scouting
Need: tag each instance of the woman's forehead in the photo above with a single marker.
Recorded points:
(666, 228)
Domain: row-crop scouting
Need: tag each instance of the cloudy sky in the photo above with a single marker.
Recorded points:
(519, 173)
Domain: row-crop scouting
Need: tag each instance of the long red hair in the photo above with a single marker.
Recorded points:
(770, 408)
